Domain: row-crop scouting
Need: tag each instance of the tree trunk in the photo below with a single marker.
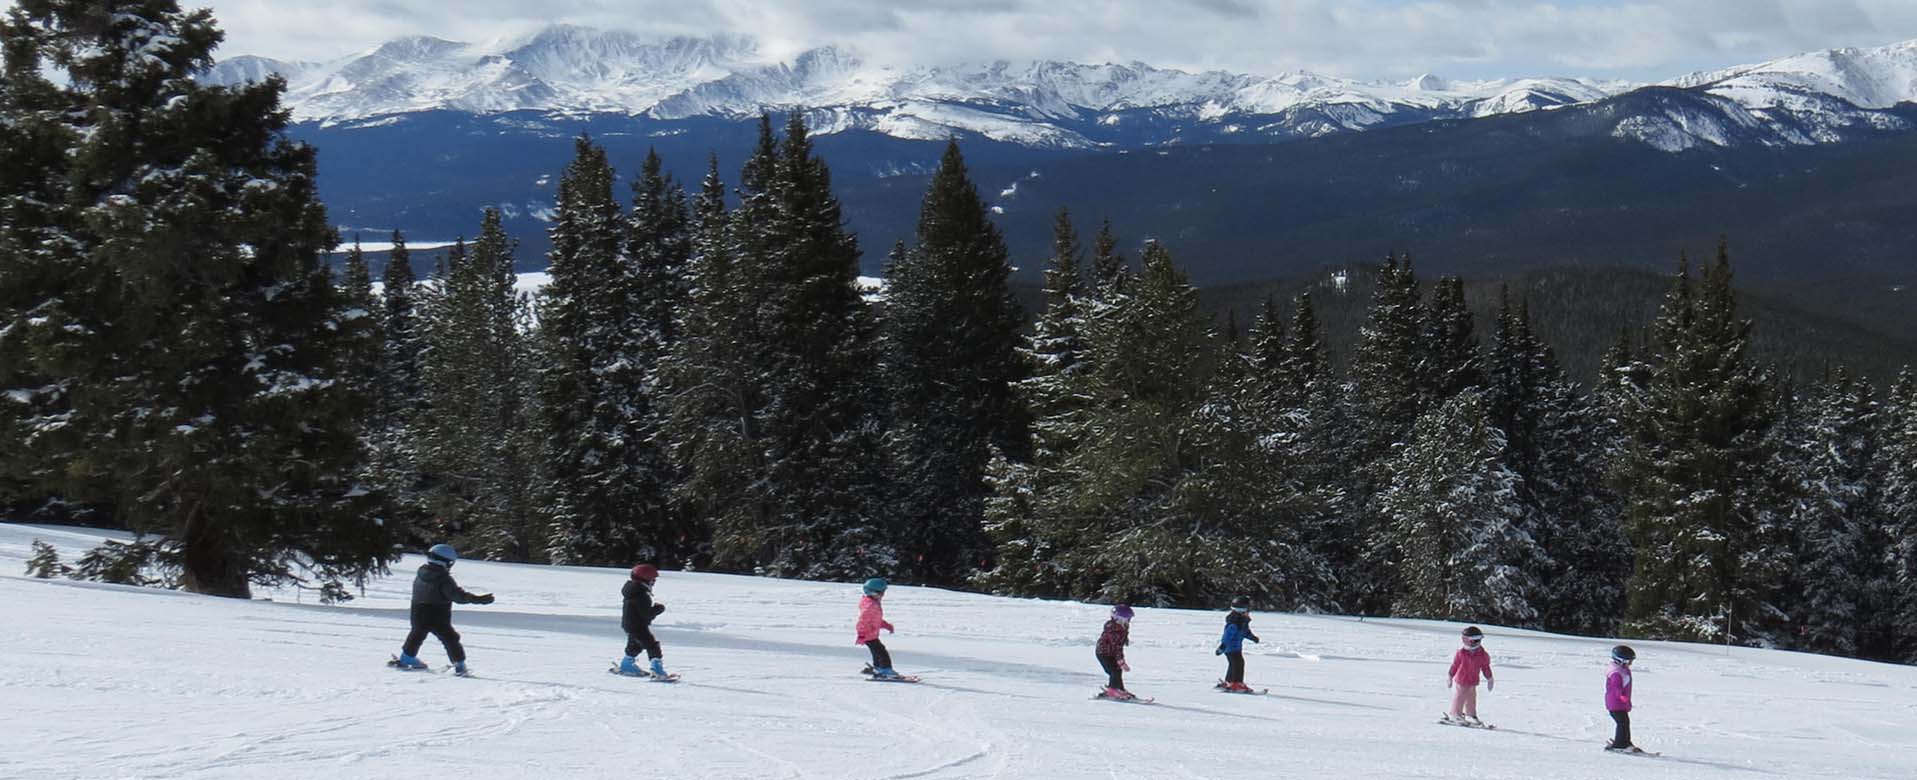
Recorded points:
(207, 565)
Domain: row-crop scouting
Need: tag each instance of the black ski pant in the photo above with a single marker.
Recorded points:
(1235, 667)
(642, 639)
(1623, 738)
(880, 658)
(435, 619)
(1114, 676)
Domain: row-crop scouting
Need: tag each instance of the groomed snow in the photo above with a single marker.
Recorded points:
(104, 681)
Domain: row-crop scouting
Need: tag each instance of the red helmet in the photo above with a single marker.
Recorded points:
(645, 572)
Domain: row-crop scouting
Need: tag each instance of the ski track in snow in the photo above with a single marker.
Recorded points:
(101, 681)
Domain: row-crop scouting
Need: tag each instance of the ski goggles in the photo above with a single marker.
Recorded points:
(1625, 661)
(1474, 640)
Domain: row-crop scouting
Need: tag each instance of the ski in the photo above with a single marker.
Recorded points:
(645, 675)
(1633, 751)
(902, 678)
(1221, 688)
(1450, 721)
(1133, 700)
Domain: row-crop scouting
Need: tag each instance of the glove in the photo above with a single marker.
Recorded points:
(1219, 651)
(1124, 667)
(1254, 640)
(484, 598)
(658, 609)
(1490, 684)
(1447, 683)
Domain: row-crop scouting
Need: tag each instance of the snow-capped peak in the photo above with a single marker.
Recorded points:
(1876, 78)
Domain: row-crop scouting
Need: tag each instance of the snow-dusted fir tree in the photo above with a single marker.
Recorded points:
(1899, 473)
(1386, 398)
(361, 327)
(1026, 550)
(1450, 361)
(478, 444)
(950, 334)
(1706, 527)
(1456, 521)
(399, 404)
(1847, 603)
(659, 245)
(172, 333)
(607, 478)
(1555, 443)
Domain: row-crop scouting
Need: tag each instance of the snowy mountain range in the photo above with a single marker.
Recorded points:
(569, 71)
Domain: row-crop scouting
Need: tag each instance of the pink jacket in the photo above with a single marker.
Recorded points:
(871, 619)
(1617, 689)
(1468, 663)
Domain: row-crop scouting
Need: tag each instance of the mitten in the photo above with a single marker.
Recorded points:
(1123, 666)
(658, 609)
(484, 599)
(1220, 650)
(1490, 684)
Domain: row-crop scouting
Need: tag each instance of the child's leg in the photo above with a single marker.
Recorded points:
(1470, 700)
(415, 637)
(1235, 667)
(1114, 676)
(644, 640)
(1623, 738)
(880, 658)
(1457, 699)
(633, 646)
(450, 638)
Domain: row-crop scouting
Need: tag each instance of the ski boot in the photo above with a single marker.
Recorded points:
(630, 667)
(885, 673)
(659, 670)
(408, 662)
(1119, 694)
(460, 670)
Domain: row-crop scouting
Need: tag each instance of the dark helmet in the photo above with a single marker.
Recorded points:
(1623, 653)
(1122, 612)
(1241, 604)
(1472, 631)
(645, 572)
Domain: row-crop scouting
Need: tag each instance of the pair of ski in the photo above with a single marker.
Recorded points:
(644, 675)
(395, 664)
(1221, 687)
(873, 676)
(1469, 723)
(1225, 687)
(1632, 751)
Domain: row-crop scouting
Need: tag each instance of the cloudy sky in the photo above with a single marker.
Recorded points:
(1634, 39)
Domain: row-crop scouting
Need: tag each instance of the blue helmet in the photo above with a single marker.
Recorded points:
(875, 586)
(443, 553)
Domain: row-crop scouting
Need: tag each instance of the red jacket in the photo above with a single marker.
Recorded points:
(1112, 643)
(871, 619)
(1468, 664)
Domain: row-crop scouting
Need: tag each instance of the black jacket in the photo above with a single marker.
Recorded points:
(434, 585)
(639, 609)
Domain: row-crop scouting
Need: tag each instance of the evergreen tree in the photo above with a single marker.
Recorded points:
(950, 334)
(1449, 360)
(1108, 266)
(608, 476)
(476, 446)
(1456, 521)
(1848, 603)
(1553, 437)
(173, 327)
(1700, 507)
(659, 240)
(1898, 471)
(1386, 398)
(400, 399)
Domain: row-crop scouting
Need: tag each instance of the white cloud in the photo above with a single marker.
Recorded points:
(1643, 39)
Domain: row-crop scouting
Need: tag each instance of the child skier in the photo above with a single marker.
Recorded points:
(1232, 645)
(636, 618)
(434, 594)
(871, 619)
(1617, 696)
(1111, 652)
(1466, 665)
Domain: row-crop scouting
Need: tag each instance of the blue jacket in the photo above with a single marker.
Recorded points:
(1237, 630)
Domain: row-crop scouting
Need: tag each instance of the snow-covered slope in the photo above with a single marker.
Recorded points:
(1812, 98)
(569, 69)
(104, 681)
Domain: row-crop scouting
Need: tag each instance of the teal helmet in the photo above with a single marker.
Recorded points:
(875, 586)
(442, 553)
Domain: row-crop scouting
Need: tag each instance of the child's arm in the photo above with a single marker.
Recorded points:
(1489, 682)
(1453, 673)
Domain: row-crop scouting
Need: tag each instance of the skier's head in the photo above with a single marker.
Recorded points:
(1623, 654)
(1122, 613)
(1241, 604)
(875, 587)
(646, 573)
(442, 554)
(1472, 636)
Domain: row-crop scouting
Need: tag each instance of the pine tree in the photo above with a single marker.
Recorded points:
(475, 446)
(1109, 273)
(608, 476)
(1898, 470)
(1386, 398)
(399, 404)
(1848, 603)
(45, 562)
(659, 240)
(1699, 505)
(1456, 521)
(1449, 361)
(1550, 431)
(950, 333)
(191, 341)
